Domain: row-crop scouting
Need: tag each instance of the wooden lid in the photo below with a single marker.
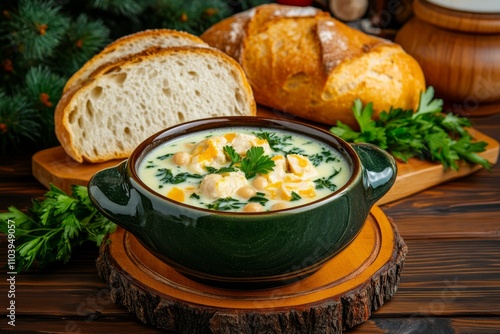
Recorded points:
(483, 23)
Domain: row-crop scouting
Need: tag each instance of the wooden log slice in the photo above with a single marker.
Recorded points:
(340, 295)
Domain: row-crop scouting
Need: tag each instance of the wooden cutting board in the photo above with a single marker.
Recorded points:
(341, 294)
(54, 166)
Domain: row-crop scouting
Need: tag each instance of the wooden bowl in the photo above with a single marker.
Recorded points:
(459, 52)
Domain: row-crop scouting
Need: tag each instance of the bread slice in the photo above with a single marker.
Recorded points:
(131, 44)
(124, 102)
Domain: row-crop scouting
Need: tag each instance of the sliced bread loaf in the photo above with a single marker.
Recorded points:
(131, 44)
(123, 103)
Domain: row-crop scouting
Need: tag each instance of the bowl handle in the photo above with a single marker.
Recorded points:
(112, 194)
(379, 170)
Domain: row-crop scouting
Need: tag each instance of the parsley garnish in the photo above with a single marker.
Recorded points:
(233, 156)
(295, 196)
(279, 144)
(254, 163)
(325, 156)
(276, 142)
(212, 170)
(150, 164)
(326, 182)
(427, 134)
(259, 198)
(229, 203)
(166, 176)
(225, 204)
(54, 226)
(165, 156)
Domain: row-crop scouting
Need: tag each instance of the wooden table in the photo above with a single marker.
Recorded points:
(450, 282)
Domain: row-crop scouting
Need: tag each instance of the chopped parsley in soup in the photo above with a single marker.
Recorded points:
(244, 169)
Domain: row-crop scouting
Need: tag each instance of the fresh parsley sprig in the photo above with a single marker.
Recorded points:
(427, 134)
(50, 230)
(255, 162)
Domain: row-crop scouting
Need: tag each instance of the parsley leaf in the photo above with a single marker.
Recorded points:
(50, 230)
(325, 155)
(295, 196)
(258, 198)
(326, 182)
(225, 204)
(427, 105)
(166, 176)
(370, 132)
(426, 134)
(276, 142)
(232, 154)
(165, 156)
(279, 143)
(256, 162)
(212, 170)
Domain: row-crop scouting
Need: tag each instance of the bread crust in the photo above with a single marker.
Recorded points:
(122, 42)
(313, 66)
(61, 120)
(72, 96)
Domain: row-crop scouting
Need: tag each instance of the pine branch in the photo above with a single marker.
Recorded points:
(128, 8)
(84, 38)
(44, 88)
(17, 122)
(36, 29)
(194, 16)
(41, 48)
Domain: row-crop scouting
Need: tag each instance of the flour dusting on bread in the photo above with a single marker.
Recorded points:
(307, 63)
(295, 11)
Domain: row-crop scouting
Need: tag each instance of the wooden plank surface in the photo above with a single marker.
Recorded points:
(442, 278)
(449, 284)
(103, 324)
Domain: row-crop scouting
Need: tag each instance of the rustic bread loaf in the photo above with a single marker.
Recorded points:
(304, 62)
(131, 44)
(122, 103)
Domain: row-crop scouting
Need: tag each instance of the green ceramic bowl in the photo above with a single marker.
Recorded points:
(244, 250)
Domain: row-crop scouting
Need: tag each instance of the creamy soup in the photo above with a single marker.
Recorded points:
(244, 169)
